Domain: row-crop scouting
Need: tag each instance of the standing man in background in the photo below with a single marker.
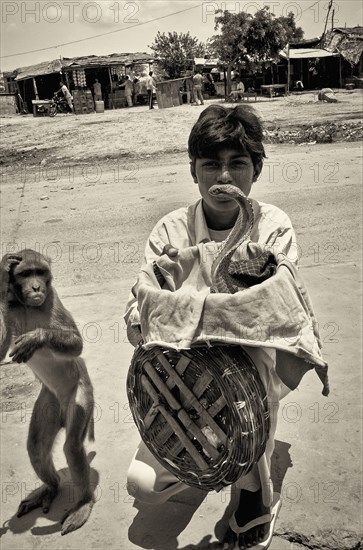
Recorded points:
(97, 92)
(150, 89)
(129, 88)
(197, 83)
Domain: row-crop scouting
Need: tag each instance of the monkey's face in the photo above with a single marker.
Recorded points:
(30, 280)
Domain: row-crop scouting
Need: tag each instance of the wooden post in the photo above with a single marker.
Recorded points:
(20, 99)
(110, 77)
(229, 79)
(288, 68)
(340, 71)
(35, 88)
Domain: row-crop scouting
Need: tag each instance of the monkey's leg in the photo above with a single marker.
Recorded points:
(44, 426)
(79, 414)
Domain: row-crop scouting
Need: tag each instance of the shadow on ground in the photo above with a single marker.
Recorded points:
(65, 499)
(158, 527)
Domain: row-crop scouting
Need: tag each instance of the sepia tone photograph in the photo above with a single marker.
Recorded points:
(181, 275)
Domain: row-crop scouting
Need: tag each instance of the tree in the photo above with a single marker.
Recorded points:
(248, 39)
(176, 52)
(294, 33)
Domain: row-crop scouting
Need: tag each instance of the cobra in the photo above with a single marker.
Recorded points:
(221, 279)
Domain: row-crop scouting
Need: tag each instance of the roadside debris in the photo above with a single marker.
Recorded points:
(322, 133)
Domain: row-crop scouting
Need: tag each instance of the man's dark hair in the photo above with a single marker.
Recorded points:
(234, 127)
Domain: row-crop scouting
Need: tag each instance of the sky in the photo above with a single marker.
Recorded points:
(50, 26)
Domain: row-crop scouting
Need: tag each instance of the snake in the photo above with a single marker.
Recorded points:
(222, 281)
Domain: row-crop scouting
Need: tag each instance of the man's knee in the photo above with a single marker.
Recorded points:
(141, 487)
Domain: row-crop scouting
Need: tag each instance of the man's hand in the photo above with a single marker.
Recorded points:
(170, 250)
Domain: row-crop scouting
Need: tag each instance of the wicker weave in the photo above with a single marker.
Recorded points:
(202, 412)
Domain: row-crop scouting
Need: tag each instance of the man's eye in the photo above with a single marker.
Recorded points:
(210, 164)
(238, 163)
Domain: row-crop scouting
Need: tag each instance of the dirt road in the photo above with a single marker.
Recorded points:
(93, 219)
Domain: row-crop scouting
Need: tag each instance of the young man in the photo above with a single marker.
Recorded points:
(150, 89)
(67, 94)
(97, 90)
(225, 147)
(197, 84)
(129, 87)
(237, 94)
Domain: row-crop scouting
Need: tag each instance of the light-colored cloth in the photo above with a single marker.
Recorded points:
(275, 314)
(186, 227)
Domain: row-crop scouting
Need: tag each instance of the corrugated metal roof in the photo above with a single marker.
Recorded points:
(347, 41)
(206, 62)
(305, 43)
(307, 53)
(55, 66)
(107, 60)
(349, 30)
(47, 67)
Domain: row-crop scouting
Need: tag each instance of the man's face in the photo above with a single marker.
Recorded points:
(231, 166)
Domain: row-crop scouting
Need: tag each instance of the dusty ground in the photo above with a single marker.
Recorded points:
(88, 196)
(74, 139)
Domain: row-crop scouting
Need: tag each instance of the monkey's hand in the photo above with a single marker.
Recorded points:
(26, 345)
(7, 263)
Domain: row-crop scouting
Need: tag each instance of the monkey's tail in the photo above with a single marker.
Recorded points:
(91, 429)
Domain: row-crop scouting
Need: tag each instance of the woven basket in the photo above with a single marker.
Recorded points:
(202, 412)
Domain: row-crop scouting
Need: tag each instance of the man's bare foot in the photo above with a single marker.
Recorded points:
(250, 508)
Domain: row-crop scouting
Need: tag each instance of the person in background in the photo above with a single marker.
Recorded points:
(210, 86)
(67, 95)
(150, 89)
(97, 92)
(129, 88)
(237, 94)
(197, 84)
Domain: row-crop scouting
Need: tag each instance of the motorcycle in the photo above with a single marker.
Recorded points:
(58, 105)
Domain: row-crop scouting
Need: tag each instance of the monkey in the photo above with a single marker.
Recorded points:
(39, 331)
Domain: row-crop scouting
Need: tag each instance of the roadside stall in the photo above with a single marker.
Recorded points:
(82, 73)
(35, 85)
(315, 67)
